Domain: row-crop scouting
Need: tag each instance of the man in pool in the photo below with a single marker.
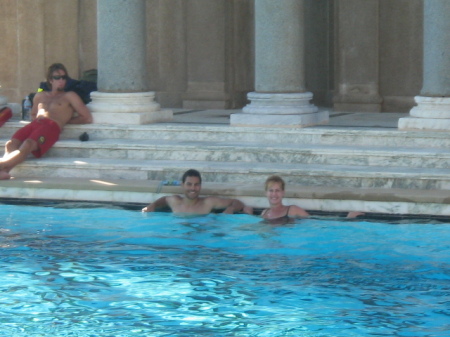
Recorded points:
(51, 111)
(191, 202)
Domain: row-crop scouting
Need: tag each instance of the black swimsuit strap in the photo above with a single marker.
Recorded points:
(287, 213)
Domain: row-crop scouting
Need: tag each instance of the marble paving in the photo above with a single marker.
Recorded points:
(359, 161)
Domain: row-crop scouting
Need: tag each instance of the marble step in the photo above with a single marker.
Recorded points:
(320, 135)
(77, 191)
(346, 176)
(253, 152)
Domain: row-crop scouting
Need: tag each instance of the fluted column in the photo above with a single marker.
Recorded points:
(433, 105)
(123, 96)
(280, 97)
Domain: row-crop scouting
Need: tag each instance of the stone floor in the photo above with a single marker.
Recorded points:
(122, 191)
(337, 119)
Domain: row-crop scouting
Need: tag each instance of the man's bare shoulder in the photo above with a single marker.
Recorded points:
(174, 199)
(39, 97)
(71, 95)
(39, 94)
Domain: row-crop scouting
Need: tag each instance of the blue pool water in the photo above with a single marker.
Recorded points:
(113, 272)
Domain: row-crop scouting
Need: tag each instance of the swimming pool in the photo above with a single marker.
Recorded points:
(81, 271)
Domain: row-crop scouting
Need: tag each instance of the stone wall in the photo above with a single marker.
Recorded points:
(38, 33)
(200, 53)
(401, 53)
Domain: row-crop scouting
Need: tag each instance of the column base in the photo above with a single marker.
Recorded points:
(279, 110)
(279, 104)
(127, 108)
(431, 113)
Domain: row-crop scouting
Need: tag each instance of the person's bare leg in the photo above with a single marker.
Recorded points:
(10, 146)
(13, 156)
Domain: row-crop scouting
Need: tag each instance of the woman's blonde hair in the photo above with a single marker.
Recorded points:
(274, 179)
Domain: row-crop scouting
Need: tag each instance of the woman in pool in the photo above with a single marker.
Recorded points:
(274, 187)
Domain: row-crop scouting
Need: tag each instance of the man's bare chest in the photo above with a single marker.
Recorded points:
(197, 208)
(57, 103)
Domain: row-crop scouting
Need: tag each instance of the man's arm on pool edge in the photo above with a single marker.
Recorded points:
(230, 206)
(159, 203)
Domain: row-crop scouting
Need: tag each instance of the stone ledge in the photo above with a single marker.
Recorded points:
(253, 192)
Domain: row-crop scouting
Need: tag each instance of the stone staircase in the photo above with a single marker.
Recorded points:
(326, 168)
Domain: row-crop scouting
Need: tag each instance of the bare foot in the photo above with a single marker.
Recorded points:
(4, 175)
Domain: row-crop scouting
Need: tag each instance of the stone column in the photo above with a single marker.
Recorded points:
(123, 96)
(357, 45)
(280, 97)
(433, 105)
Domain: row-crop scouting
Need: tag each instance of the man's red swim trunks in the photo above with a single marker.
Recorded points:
(42, 130)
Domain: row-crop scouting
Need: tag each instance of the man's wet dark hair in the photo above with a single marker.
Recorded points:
(191, 173)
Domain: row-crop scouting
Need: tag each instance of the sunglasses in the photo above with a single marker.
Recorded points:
(58, 77)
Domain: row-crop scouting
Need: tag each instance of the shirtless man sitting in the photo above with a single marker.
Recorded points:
(192, 203)
(51, 111)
